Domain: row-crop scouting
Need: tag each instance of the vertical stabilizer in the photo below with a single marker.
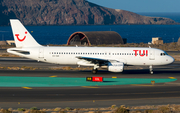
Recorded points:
(21, 36)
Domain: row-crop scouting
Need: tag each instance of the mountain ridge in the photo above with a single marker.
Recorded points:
(70, 12)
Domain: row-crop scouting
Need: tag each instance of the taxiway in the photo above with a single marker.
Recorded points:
(89, 96)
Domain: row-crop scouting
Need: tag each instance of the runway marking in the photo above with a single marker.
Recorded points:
(53, 76)
(140, 85)
(26, 87)
(89, 87)
(114, 77)
(172, 77)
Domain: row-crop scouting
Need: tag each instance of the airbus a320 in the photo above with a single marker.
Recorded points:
(112, 58)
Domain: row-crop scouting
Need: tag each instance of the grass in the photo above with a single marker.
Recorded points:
(165, 109)
(67, 68)
(21, 109)
(112, 109)
(121, 110)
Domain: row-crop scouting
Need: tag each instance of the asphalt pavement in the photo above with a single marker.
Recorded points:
(89, 96)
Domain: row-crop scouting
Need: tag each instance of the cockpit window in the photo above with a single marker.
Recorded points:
(163, 54)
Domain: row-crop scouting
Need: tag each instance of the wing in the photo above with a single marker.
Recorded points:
(96, 60)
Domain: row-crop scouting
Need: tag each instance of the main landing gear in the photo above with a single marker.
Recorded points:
(151, 69)
(95, 69)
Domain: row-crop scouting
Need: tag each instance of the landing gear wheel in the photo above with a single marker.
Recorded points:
(151, 70)
(94, 71)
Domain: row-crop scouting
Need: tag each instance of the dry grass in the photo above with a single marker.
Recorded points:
(37, 68)
(112, 109)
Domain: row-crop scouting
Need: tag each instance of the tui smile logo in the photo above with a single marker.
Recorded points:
(17, 35)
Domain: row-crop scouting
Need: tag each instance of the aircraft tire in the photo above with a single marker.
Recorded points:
(94, 71)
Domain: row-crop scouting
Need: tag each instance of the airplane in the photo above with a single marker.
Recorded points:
(112, 58)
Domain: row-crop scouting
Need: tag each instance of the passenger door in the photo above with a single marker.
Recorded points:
(41, 53)
(151, 55)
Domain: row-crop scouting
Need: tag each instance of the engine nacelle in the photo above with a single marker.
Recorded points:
(115, 67)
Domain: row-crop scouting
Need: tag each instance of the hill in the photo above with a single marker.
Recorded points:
(70, 12)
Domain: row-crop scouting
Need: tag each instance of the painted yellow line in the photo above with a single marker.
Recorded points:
(89, 87)
(26, 87)
(172, 77)
(140, 85)
(114, 77)
(53, 76)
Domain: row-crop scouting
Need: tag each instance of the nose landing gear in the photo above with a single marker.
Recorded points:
(151, 69)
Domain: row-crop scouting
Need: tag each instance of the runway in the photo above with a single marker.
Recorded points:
(166, 92)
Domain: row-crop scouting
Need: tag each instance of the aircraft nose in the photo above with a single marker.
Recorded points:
(171, 59)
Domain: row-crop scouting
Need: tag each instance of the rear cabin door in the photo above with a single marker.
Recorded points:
(41, 53)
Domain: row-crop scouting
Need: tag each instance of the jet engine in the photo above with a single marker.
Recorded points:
(115, 66)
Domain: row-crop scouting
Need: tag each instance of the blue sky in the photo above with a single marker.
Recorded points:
(141, 5)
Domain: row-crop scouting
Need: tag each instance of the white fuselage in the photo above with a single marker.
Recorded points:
(68, 55)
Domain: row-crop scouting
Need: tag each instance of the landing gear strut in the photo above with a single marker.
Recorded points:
(95, 69)
(151, 69)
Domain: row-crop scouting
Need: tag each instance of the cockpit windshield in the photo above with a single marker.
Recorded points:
(163, 54)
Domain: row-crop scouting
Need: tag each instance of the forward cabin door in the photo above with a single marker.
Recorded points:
(151, 55)
(41, 53)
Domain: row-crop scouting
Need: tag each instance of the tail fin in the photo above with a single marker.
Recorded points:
(22, 37)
